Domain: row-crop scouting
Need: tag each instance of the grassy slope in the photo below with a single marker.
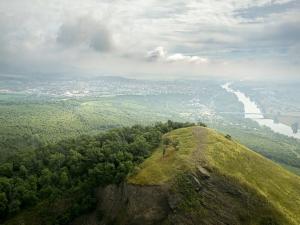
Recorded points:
(276, 147)
(158, 169)
(228, 158)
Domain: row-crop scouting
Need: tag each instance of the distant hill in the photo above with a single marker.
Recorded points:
(198, 176)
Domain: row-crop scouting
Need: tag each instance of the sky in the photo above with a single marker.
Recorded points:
(238, 39)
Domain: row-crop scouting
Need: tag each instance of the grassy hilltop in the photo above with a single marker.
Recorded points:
(273, 193)
(191, 175)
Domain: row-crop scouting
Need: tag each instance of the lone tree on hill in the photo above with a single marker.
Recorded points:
(167, 142)
(175, 144)
(228, 136)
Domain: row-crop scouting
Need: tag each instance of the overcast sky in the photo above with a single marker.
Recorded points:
(151, 38)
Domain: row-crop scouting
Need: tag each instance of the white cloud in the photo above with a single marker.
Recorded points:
(178, 57)
(94, 35)
(161, 55)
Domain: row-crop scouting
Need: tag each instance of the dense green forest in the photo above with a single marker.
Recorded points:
(66, 173)
(28, 122)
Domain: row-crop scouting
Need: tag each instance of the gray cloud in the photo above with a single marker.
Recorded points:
(270, 8)
(85, 32)
(237, 36)
(159, 53)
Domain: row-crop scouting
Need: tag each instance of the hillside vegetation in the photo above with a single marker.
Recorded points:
(171, 173)
(55, 183)
(271, 194)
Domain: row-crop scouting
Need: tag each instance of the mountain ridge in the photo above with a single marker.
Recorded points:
(206, 179)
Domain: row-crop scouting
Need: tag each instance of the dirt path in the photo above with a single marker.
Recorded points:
(200, 135)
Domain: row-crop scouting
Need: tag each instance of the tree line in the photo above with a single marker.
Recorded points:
(68, 172)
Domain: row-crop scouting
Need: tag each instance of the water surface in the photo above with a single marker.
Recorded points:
(252, 111)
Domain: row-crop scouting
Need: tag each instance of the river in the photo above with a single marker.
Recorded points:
(252, 111)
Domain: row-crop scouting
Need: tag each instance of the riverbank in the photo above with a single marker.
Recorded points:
(253, 112)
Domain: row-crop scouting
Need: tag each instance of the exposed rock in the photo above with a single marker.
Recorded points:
(202, 172)
(174, 201)
(189, 200)
(123, 204)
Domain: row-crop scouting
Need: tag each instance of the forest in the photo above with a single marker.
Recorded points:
(28, 122)
(67, 173)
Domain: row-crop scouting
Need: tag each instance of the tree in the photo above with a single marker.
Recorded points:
(29, 198)
(6, 169)
(64, 179)
(139, 147)
(23, 171)
(227, 136)
(201, 124)
(175, 144)
(14, 206)
(166, 142)
(3, 204)
(5, 184)
(164, 148)
(76, 167)
(46, 177)
(56, 160)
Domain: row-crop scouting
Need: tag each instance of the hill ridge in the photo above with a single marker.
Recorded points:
(228, 158)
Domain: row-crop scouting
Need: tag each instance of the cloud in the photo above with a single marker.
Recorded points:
(85, 32)
(103, 37)
(161, 55)
(260, 11)
(178, 57)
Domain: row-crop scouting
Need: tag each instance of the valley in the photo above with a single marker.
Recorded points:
(34, 125)
(132, 112)
(34, 119)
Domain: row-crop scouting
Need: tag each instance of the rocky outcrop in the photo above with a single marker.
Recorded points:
(133, 204)
(191, 199)
(195, 192)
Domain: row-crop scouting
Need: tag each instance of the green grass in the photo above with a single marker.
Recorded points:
(279, 186)
(228, 158)
(279, 148)
(158, 169)
(293, 169)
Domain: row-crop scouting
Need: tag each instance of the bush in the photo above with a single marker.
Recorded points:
(227, 136)
(201, 124)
